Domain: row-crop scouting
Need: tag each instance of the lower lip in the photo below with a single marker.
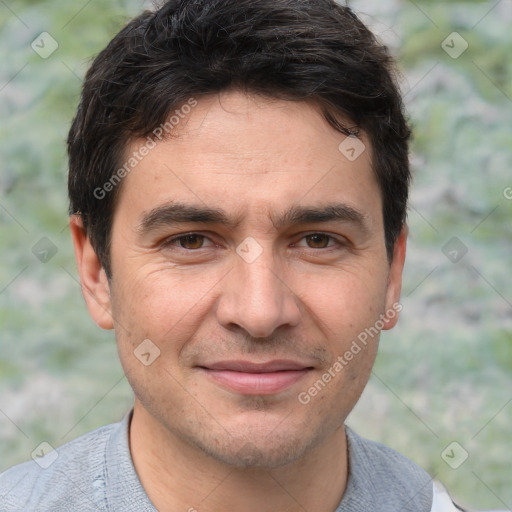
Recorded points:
(256, 383)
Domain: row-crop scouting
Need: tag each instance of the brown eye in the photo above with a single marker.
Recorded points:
(318, 241)
(191, 241)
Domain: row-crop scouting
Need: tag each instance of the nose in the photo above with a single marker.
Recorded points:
(258, 297)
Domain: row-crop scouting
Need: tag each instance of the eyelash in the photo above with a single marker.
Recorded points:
(171, 241)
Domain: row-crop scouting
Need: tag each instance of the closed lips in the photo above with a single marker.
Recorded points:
(250, 378)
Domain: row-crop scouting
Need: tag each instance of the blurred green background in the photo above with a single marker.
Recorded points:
(443, 375)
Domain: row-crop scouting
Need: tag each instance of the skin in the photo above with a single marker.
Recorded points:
(196, 444)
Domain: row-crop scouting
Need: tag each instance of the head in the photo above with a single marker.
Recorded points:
(238, 184)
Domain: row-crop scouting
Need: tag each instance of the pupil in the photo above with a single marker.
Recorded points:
(193, 240)
(317, 239)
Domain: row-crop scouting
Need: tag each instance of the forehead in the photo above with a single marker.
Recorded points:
(251, 154)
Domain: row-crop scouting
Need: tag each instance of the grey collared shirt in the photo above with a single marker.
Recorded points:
(95, 473)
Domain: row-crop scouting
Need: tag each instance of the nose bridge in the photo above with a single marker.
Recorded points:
(260, 285)
(256, 297)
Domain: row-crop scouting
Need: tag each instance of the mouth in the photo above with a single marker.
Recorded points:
(248, 378)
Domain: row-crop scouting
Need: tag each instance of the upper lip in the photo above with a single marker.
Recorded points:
(251, 367)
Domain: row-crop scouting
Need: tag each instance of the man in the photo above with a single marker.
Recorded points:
(238, 184)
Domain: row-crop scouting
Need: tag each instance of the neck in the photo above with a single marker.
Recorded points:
(177, 476)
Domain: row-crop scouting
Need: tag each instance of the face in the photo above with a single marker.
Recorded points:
(250, 251)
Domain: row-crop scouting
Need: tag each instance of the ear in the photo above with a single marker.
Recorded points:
(393, 306)
(93, 279)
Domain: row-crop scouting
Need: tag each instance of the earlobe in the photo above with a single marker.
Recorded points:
(93, 279)
(394, 289)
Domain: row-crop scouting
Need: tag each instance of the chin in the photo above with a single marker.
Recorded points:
(253, 456)
(256, 448)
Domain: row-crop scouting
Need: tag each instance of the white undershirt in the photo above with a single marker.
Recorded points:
(442, 501)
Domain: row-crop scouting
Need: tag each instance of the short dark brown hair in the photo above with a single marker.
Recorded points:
(297, 50)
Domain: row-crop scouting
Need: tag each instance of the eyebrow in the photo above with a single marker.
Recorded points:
(176, 213)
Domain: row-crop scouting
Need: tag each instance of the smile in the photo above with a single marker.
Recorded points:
(256, 379)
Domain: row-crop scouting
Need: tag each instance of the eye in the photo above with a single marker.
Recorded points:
(321, 241)
(188, 242)
(197, 241)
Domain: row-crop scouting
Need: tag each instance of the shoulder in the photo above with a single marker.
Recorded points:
(395, 482)
(390, 475)
(53, 482)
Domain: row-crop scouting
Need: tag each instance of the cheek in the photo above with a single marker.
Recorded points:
(346, 301)
(161, 305)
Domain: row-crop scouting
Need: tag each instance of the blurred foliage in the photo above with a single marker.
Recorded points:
(442, 375)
